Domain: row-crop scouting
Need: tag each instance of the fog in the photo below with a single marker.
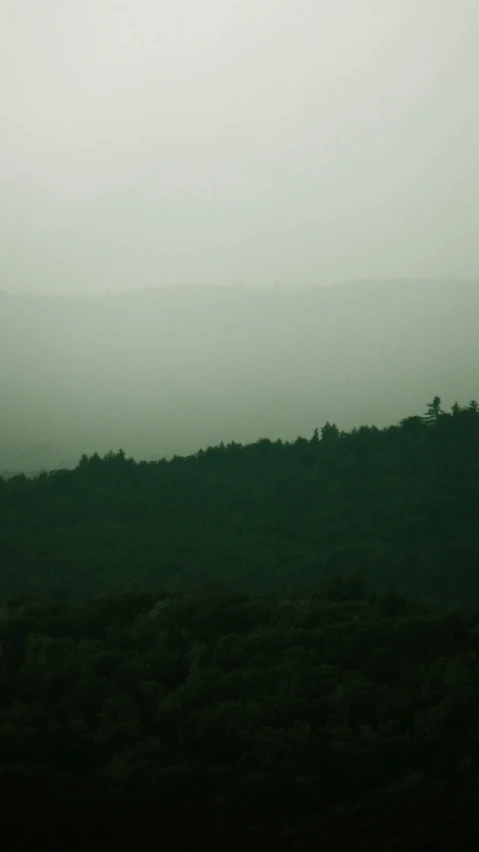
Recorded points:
(146, 143)
(173, 370)
(178, 182)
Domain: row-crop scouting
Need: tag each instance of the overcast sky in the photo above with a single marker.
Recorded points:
(145, 142)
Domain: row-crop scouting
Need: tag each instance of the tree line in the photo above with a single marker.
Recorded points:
(399, 504)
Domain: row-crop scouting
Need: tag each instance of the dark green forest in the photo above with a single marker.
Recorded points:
(272, 646)
(400, 504)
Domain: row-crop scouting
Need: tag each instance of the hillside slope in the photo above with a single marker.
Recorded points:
(399, 504)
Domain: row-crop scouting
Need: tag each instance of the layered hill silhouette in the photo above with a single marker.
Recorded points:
(398, 506)
(167, 371)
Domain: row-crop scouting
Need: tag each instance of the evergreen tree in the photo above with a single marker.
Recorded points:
(434, 411)
(329, 432)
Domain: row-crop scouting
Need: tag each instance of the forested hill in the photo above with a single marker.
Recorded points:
(223, 658)
(398, 504)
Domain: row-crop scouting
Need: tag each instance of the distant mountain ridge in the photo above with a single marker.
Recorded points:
(170, 370)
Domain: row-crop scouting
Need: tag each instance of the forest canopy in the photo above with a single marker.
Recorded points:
(329, 718)
(272, 646)
(399, 504)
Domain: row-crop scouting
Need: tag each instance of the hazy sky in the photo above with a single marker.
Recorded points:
(145, 142)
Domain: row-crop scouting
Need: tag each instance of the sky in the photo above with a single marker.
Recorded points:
(295, 142)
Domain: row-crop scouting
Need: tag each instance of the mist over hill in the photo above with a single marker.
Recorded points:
(171, 370)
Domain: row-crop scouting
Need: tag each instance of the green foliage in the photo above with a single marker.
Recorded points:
(434, 411)
(289, 688)
(398, 505)
(321, 718)
(329, 432)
